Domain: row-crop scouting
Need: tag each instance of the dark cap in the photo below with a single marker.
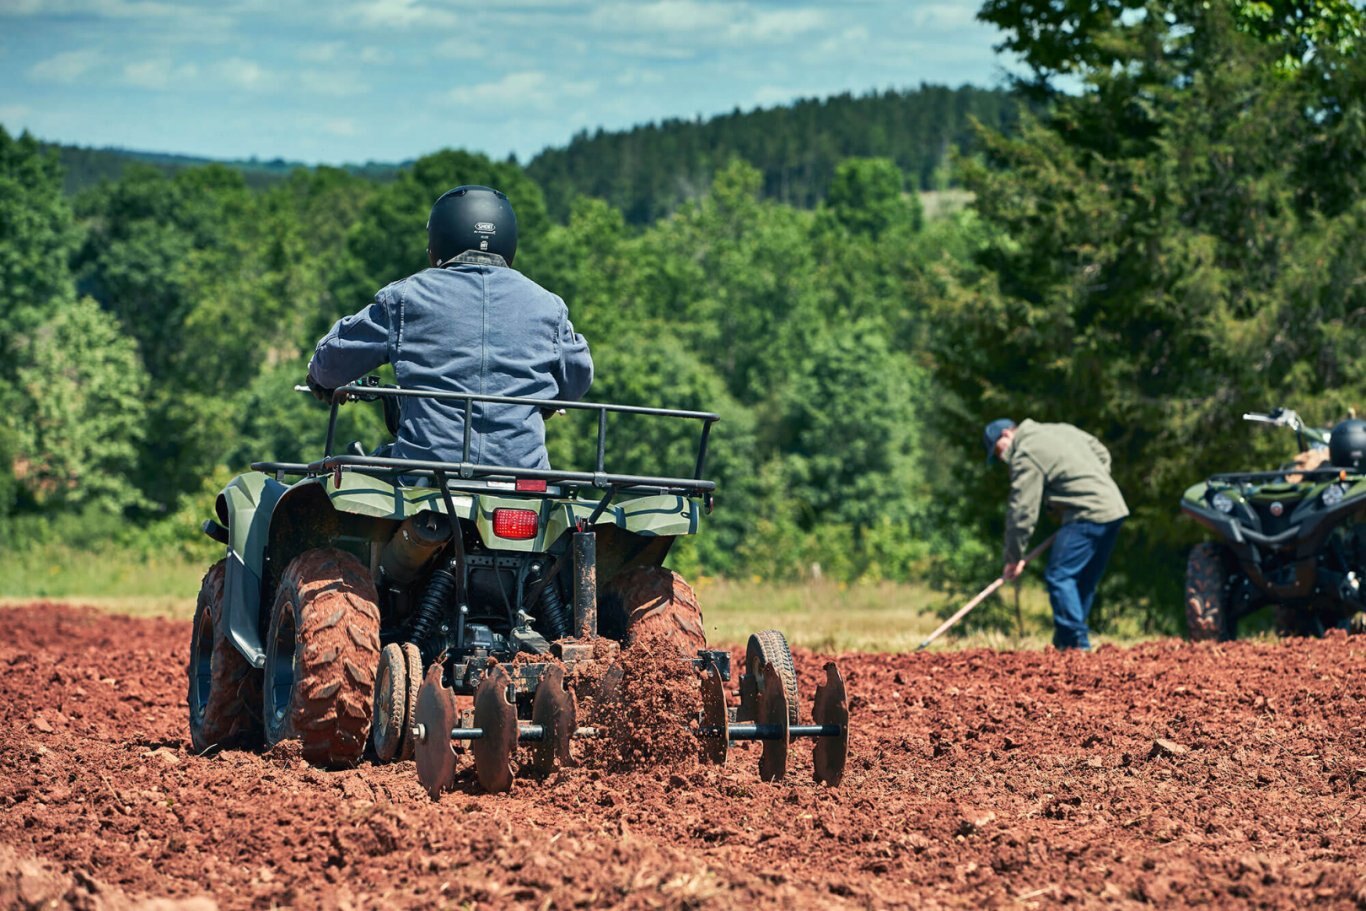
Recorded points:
(992, 433)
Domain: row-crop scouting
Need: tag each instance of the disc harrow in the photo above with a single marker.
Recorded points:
(495, 729)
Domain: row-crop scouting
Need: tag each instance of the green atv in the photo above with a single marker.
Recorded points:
(388, 607)
(1293, 539)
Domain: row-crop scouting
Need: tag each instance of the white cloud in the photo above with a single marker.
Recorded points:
(11, 114)
(375, 55)
(341, 126)
(731, 23)
(157, 74)
(395, 14)
(65, 68)
(321, 53)
(768, 27)
(946, 15)
(156, 13)
(337, 83)
(242, 73)
(528, 89)
(462, 49)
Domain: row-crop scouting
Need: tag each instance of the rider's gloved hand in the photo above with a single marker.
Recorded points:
(320, 392)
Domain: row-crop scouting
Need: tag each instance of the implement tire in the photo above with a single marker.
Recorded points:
(659, 608)
(322, 653)
(224, 695)
(1207, 573)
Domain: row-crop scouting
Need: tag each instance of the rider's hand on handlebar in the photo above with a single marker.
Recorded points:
(320, 392)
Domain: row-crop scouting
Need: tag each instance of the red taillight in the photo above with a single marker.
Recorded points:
(515, 524)
(530, 485)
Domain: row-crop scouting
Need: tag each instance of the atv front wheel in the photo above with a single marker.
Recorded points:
(659, 607)
(322, 652)
(225, 690)
(1207, 615)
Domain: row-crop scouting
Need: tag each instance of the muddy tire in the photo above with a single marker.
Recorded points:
(322, 653)
(768, 646)
(1207, 616)
(224, 695)
(659, 608)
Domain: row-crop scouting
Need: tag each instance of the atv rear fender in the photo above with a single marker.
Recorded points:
(270, 523)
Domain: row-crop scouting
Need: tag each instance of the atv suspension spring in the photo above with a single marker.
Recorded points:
(554, 615)
(433, 600)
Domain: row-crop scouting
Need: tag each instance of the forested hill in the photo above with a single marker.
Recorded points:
(83, 168)
(646, 172)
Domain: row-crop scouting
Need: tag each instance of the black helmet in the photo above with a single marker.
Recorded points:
(1347, 445)
(472, 218)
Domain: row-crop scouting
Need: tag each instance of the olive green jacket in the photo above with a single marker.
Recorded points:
(1063, 468)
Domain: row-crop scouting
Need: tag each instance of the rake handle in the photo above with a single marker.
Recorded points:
(981, 596)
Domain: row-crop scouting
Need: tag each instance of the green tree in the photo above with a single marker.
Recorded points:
(1158, 250)
(80, 389)
(36, 236)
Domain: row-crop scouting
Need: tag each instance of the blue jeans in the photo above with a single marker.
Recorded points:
(1080, 552)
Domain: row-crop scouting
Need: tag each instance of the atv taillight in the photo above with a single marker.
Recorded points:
(515, 524)
(530, 485)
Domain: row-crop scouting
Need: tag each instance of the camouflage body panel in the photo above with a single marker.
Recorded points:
(269, 523)
(642, 514)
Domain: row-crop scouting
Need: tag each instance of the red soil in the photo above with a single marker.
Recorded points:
(1167, 774)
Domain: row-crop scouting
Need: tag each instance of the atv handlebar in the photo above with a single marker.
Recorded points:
(1305, 436)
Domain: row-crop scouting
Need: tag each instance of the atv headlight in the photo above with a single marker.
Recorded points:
(1222, 502)
(1334, 494)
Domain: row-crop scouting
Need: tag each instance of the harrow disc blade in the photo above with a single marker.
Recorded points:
(555, 711)
(413, 659)
(773, 713)
(436, 714)
(714, 727)
(497, 718)
(831, 708)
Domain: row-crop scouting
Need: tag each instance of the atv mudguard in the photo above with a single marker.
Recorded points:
(270, 523)
(245, 507)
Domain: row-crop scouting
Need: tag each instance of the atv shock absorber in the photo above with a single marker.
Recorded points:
(554, 614)
(433, 600)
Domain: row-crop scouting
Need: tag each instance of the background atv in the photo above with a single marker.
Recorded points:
(361, 591)
(1293, 539)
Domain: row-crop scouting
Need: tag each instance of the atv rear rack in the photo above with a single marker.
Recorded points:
(466, 470)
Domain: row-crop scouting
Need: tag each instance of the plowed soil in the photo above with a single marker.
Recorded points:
(1166, 774)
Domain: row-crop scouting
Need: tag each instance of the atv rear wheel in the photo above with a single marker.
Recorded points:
(322, 653)
(659, 607)
(225, 689)
(1207, 616)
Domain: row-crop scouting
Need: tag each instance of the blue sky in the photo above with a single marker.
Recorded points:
(388, 80)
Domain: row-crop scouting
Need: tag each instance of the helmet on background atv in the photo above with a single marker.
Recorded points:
(1347, 445)
(472, 218)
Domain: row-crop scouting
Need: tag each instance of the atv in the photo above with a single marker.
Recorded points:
(1293, 539)
(389, 608)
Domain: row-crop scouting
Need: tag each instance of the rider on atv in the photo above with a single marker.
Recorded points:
(469, 324)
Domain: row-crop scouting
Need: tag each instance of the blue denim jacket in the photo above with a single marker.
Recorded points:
(473, 325)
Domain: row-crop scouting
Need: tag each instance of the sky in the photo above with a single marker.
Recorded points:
(390, 80)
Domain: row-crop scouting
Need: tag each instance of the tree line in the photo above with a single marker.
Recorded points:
(1148, 256)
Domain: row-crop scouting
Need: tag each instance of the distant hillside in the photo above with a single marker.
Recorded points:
(649, 170)
(86, 167)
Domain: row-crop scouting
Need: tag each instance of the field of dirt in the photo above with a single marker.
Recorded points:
(1166, 775)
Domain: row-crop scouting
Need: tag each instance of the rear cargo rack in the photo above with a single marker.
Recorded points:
(465, 470)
